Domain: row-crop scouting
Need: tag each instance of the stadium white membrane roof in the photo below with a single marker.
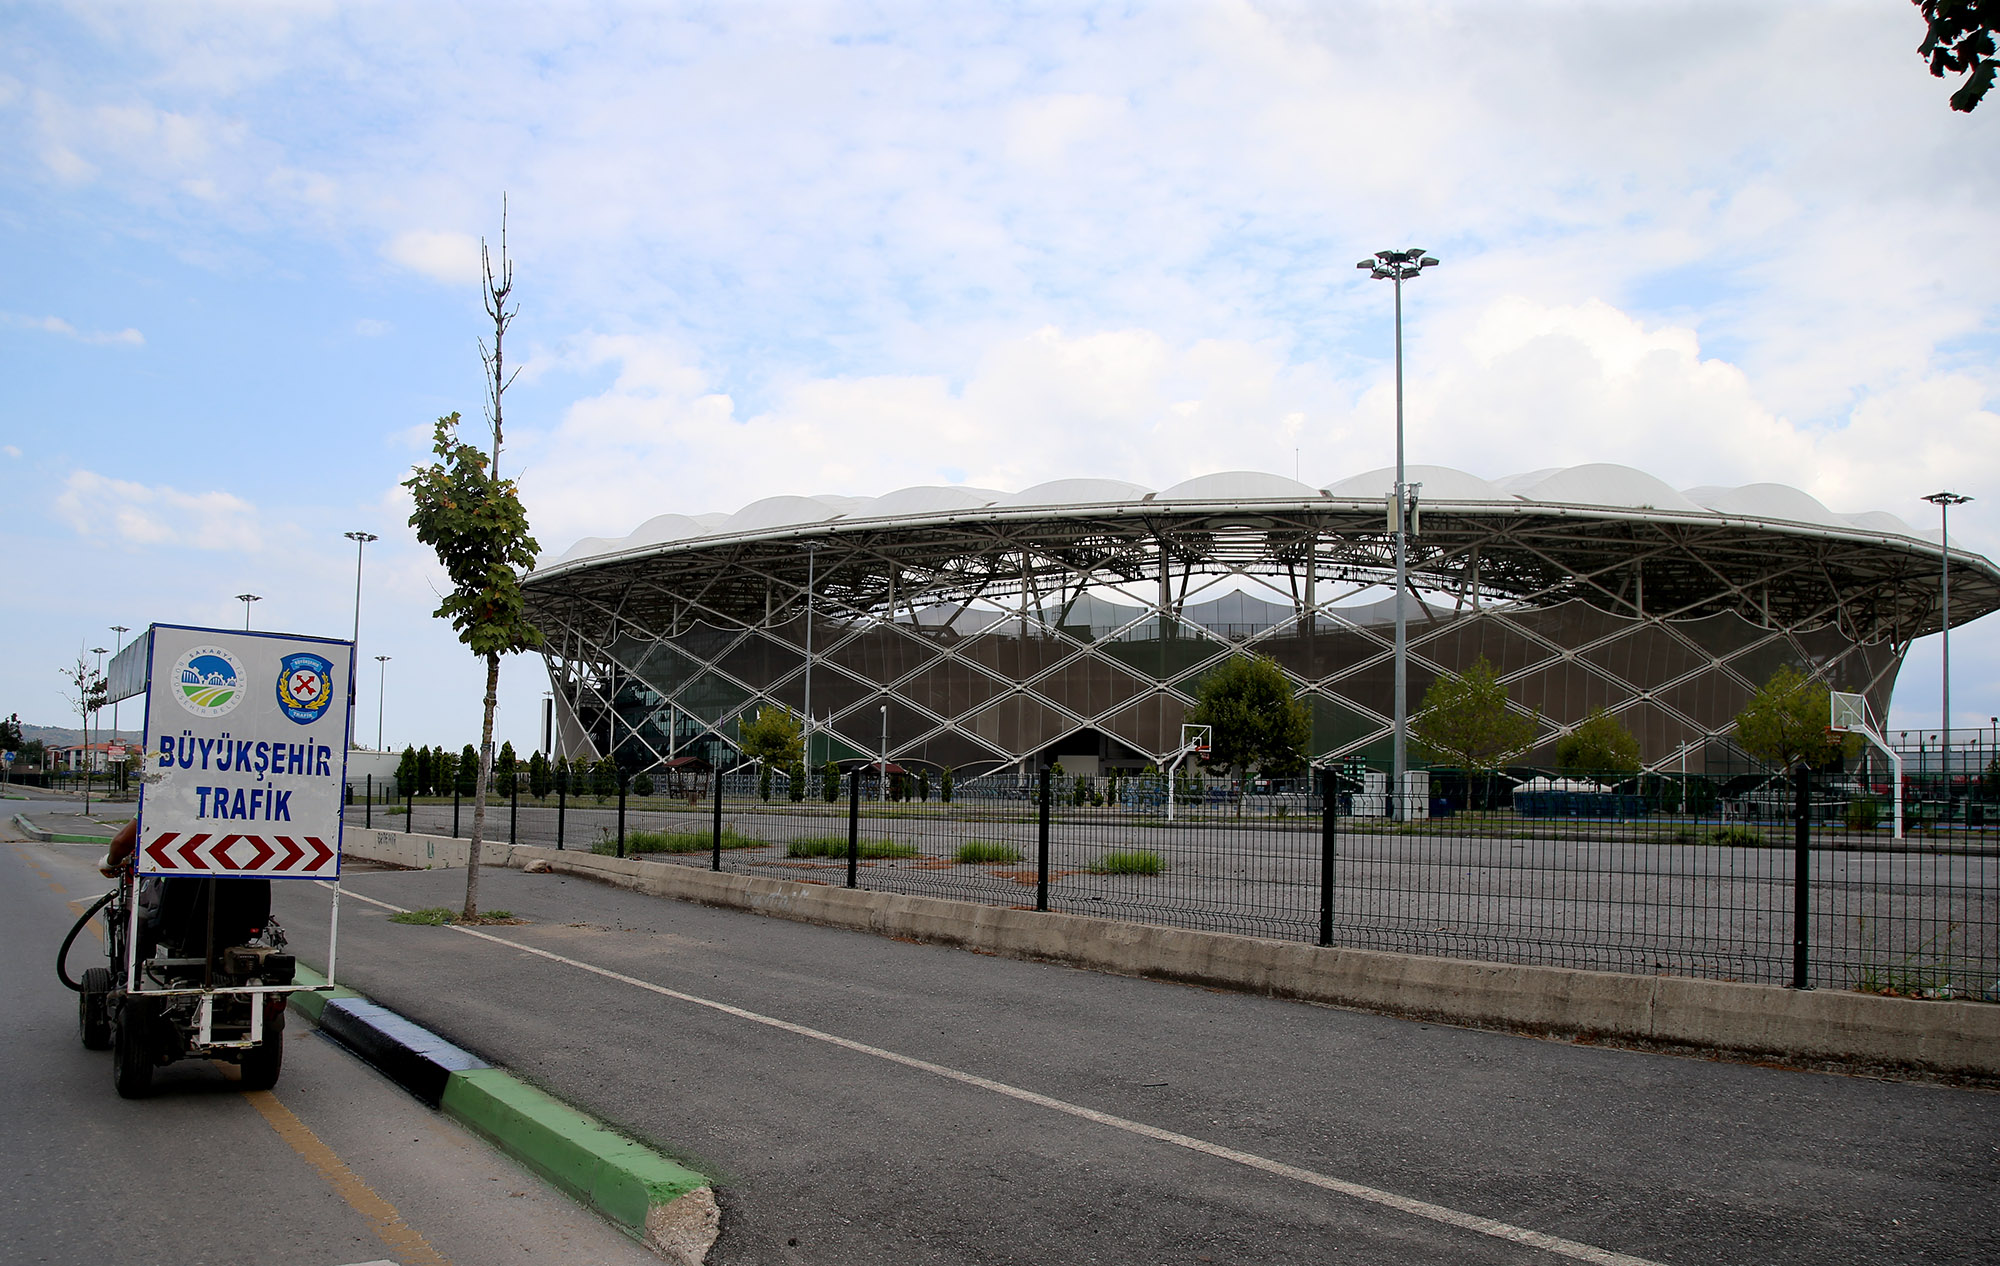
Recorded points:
(1620, 490)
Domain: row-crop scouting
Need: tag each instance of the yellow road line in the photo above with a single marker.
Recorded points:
(411, 1248)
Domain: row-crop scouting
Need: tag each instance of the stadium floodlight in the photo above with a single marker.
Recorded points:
(1944, 501)
(246, 599)
(1399, 267)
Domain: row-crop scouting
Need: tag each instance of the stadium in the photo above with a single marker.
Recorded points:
(980, 630)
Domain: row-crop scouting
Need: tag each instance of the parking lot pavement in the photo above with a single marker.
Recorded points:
(858, 1099)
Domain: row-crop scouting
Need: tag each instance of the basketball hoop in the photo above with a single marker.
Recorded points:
(1196, 739)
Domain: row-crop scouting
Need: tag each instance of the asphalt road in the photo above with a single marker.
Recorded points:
(335, 1166)
(863, 1100)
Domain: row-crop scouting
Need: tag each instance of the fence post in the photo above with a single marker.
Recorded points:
(715, 842)
(562, 810)
(1042, 841)
(454, 812)
(1329, 809)
(410, 809)
(1801, 878)
(621, 815)
(514, 811)
(854, 829)
(368, 806)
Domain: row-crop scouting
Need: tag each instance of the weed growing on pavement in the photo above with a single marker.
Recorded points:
(1137, 862)
(836, 846)
(985, 853)
(430, 916)
(673, 842)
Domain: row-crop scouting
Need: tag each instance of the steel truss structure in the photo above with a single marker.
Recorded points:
(982, 631)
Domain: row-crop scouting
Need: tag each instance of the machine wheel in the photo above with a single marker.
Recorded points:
(261, 1064)
(93, 1022)
(131, 1049)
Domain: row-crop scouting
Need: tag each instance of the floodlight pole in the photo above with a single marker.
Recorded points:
(246, 599)
(121, 630)
(381, 691)
(360, 540)
(1399, 267)
(1944, 501)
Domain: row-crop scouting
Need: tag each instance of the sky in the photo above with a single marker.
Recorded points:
(847, 248)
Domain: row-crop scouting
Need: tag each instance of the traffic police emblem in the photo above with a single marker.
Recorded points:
(305, 687)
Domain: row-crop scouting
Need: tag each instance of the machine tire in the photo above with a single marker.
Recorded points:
(131, 1049)
(93, 1021)
(260, 1065)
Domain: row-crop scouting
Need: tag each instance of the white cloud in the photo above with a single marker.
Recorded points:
(10, 450)
(56, 325)
(368, 327)
(101, 507)
(447, 257)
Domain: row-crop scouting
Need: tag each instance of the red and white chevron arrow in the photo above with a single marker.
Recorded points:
(171, 852)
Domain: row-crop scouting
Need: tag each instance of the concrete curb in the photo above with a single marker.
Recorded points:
(668, 1208)
(1832, 1029)
(39, 835)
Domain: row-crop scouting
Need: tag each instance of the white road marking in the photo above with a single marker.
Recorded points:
(1571, 1249)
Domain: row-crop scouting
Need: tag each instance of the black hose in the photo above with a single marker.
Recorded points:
(62, 955)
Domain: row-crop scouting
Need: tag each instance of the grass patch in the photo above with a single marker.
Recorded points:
(985, 853)
(637, 842)
(429, 916)
(1736, 836)
(1142, 861)
(836, 846)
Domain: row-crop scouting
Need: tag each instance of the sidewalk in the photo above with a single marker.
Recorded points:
(70, 826)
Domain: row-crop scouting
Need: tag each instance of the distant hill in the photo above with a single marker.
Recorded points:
(70, 736)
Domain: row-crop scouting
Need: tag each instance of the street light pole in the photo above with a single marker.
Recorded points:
(882, 791)
(121, 630)
(381, 690)
(246, 599)
(1399, 267)
(1944, 501)
(360, 540)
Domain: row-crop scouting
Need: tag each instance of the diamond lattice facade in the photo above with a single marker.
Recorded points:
(979, 630)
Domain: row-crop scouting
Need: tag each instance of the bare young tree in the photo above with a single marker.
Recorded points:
(86, 694)
(474, 521)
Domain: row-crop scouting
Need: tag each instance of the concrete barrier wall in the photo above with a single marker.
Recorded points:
(1957, 1041)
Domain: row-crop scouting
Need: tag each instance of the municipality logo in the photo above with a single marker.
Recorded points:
(305, 687)
(208, 681)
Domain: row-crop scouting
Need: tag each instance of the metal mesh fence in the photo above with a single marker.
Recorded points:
(1685, 877)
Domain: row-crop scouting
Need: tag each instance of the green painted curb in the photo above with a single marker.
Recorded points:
(310, 1005)
(668, 1208)
(614, 1175)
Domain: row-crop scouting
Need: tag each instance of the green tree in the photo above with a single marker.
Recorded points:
(829, 782)
(503, 771)
(764, 783)
(561, 776)
(795, 781)
(642, 786)
(1255, 719)
(924, 785)
(540, 781)
(406, 771)
(465, 774)
(604, 778)
(945, 785)
(1959, 40)
(447, 771)
(771, 738)
(1601, 745)
(1787, 722)
(1464, 720)
(475, 523)
(10, 734)
(86, 694)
